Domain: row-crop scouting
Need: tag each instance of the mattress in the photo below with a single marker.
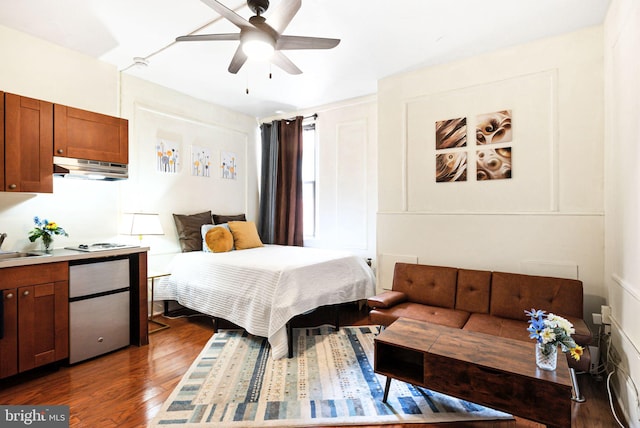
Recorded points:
(261, 289)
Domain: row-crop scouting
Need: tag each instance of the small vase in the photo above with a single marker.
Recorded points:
(47, 243)
(546, 357)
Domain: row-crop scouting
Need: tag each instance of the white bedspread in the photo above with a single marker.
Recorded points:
(260, 289)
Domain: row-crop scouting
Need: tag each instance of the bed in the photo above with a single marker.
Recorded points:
(262, 289)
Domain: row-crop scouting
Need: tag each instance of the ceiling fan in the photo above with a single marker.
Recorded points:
(261, 39)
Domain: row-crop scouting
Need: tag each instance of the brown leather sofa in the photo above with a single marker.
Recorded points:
(482, 301)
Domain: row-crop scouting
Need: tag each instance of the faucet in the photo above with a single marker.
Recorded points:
(2, 236)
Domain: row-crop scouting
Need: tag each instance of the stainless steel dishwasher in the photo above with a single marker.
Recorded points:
(98, 307)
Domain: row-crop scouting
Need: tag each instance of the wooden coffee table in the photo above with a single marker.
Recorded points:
(495, 372)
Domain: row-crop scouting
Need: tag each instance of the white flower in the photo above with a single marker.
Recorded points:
(562, 323)
(548, 336)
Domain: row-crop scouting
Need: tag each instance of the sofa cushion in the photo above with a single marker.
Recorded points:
(512, 294)
(498, 327)
(428, 285)
(417, 311)
(515, 329)
(473, 291)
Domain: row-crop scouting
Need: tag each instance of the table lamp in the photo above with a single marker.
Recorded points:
(143, 224)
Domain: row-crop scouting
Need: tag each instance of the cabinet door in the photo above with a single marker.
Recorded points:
(43, 324)
(83, 134)
(1, 140)
(9, 333)
(28, 160)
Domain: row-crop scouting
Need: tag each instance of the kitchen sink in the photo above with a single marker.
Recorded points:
(10, 255)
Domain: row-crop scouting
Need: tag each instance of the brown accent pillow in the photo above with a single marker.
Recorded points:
(219, 240)
(189, 230)
(245, 235)
(219, 219)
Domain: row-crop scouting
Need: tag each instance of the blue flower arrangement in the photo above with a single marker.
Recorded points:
(45, 229)
(551, 330)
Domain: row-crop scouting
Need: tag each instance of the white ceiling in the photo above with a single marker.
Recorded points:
(379, 38)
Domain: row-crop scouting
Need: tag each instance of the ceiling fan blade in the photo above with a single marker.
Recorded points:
(238, 60)
(285, 63)
(227, 13)
(301, 42)
(283, 14)
(201, 37)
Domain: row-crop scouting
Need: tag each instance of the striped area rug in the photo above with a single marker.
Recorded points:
(329, 381)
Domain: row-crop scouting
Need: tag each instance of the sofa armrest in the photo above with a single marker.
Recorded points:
(583, 335)
(386, 299)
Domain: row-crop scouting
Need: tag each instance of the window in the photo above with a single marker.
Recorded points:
(309, 179)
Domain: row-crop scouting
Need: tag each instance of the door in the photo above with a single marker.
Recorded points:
(28, 153)
(83, 134)
(43, 323)
(8, 333)
(1, 140)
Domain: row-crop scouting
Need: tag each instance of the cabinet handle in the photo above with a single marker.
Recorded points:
(12, 186)
(26, 293)
(9, 296)
(60, 151)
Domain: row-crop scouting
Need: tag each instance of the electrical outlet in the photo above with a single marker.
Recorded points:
(606, 314)
(597, 319)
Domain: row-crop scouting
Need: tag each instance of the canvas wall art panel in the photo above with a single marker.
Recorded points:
(200, 161)
(451, 133)
(228, 165)
(168, 156)
(493, 128)
(451, 167)
(493, 164)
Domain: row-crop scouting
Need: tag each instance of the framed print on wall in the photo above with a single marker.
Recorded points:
(168, 156)
(228, 165)
(200, 161)
(494, 163)
(451, 156)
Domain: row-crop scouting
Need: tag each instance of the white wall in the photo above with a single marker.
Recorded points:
(346, 186)
(622, 226)
(547, 219)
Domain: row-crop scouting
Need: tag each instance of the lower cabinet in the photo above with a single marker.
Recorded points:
(34, 312)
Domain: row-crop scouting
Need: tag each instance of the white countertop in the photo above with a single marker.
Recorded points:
(63, 255)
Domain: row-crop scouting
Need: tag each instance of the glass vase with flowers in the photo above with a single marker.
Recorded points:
(45, 229)
(551, 331)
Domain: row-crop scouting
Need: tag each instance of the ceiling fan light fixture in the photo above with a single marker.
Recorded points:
(258, 49)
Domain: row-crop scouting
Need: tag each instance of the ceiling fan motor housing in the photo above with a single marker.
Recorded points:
(258, 6)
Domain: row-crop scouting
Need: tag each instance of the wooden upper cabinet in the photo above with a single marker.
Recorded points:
(1, 140)
(83, 134)
(28, 145)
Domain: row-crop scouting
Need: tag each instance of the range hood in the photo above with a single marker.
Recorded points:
(89, 169)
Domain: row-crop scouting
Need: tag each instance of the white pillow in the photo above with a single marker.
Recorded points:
(207, 227)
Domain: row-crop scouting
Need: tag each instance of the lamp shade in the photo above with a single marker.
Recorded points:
(142, 224)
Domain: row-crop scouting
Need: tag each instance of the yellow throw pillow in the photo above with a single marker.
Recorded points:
(245, 235)
(219, 240)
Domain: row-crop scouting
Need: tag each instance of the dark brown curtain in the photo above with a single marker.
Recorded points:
(288, 215)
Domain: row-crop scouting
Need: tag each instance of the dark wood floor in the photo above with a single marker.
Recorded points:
(126, 388)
